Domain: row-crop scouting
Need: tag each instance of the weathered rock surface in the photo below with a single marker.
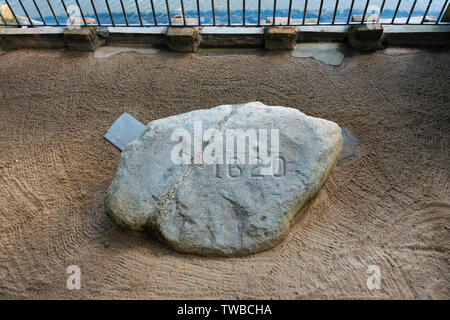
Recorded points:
(222, 209)
(366, 37)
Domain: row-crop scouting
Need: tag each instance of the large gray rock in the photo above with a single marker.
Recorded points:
(223, 209)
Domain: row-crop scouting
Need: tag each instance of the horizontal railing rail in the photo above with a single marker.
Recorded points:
(148, 13)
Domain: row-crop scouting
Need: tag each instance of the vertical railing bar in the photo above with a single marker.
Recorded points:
(410, 12)
(381, 9)
(335, 11)
(213, 12)
(198, 13)
(289, 13)
(350, 12)
(26, 13)
(124, 12)
(95, 12)
(259, 13)
(139, 12)
(65, 10)
(168, 12)
(228, 11)
(3, 19)
(426, 11)
(182, 12)
(442, 12)
(304, 12)
(53, 12)
(365, 11)
(274, 11)
(14, 15)
(40, 13)
(243, 12)
(320, 11)
(81, 12)
(110, 14)
(153, 12)
(395, 13)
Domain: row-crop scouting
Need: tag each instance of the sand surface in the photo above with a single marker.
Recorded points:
(388, 205)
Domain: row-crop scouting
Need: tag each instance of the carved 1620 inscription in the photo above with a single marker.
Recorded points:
(247, 170)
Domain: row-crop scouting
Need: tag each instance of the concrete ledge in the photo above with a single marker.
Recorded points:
(417, 36)
(154, 36)
(232, 37)
(42, 37)
(321, 33)
(225, 37)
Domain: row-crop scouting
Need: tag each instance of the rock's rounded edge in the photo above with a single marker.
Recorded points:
(151, 224)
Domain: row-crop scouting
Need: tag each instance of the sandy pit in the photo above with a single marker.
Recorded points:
(388, 205)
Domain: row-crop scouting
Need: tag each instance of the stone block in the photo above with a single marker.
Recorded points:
(366, 37)
(183, 39)
(280, 38)
(83, 39)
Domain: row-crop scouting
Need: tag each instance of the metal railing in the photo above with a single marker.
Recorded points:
(148, 13)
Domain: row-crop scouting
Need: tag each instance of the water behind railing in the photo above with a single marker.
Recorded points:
(140, 12)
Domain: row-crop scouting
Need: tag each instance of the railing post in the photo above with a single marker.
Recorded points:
(153, 12)
(168, 12)
(426, 11)
(39, 12)
(274, 11)
(198, 13)
(365, 12)
(139, 12)
(289, 13)
(26, 13)
(243, 12)
(124, 13)
(81, 12)
(442, 12)
(110, 14)
(228, 11)
(410, 12)
(53, 12)
(351, 11)
(396, 11)
(304, 12)
(320, 12)
(259, 12)
(213, 12)
(335, 11)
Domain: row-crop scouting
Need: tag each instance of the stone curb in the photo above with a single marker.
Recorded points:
(189, 39)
